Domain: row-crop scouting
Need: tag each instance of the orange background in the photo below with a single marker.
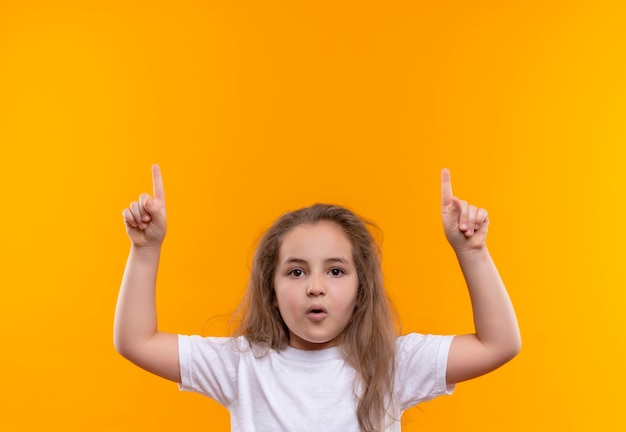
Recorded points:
(254, 108)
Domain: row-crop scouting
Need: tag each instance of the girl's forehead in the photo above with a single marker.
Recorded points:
(321, 240)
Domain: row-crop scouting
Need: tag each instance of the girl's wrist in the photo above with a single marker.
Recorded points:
(469, 255)
(145, 251)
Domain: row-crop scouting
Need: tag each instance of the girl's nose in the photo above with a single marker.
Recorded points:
(316, 287)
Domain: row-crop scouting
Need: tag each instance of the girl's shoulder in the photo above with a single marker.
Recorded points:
(424, 343)
(421, 364)
(225, 345)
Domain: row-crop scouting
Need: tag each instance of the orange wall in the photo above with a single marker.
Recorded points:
(252, 110)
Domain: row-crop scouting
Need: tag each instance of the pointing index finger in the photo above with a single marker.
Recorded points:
(157, 183)
(446, 187)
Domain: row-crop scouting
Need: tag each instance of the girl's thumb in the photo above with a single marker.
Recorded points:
(149, 205)
(156, 213)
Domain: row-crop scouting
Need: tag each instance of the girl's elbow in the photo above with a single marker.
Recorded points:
(120, 347)
(513, 348)
(123, 346)
(505, 350)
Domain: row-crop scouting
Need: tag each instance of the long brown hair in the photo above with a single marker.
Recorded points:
(368, 341)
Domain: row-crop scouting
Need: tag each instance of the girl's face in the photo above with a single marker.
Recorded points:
(315, 284)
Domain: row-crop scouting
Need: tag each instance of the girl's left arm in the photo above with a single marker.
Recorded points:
(497, 337)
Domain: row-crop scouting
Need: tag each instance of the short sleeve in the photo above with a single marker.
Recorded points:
(421, 368)
(209, 366)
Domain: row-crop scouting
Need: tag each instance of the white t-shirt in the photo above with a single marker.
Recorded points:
(295, 390)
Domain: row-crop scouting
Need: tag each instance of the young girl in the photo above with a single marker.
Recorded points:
(316, 348)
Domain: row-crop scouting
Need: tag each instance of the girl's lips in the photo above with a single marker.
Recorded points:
(316, 313)
(315, 308)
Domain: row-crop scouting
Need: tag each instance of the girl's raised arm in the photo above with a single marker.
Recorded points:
(136, 334)
(497, 338)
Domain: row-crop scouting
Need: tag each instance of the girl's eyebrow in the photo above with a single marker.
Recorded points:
(294, 260)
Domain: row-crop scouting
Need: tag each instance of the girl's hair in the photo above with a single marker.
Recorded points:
(369, 339)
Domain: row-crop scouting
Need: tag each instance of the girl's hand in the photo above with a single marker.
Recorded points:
(145, 220)
(465, 225)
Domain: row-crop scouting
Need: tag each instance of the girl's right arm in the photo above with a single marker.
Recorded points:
(136, 335)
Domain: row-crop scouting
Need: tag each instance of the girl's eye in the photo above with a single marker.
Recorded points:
(296, 272)
(336, 272)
